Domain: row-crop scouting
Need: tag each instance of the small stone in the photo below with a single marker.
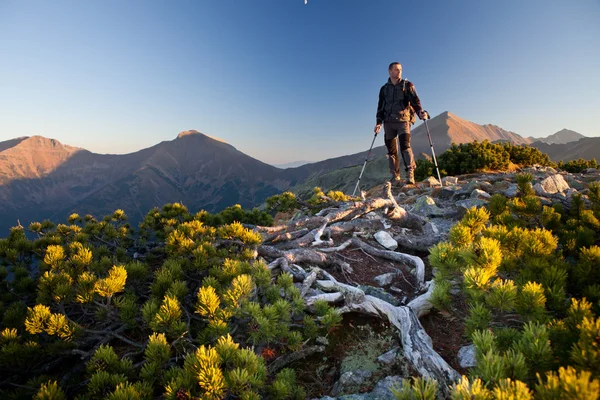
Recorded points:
(386, 240)
(431, 182)
(480, 194)
(468, 203)
(466, 356)
(511, 191)
(450, 180)
(385, 279)
(383, 388)
(349, 381)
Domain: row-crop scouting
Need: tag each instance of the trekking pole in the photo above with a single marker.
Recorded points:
(432, 151)
(364, 165)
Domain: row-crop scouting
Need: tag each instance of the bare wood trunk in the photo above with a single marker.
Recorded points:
(416, 344)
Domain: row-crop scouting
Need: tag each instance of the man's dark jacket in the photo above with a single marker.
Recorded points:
(398, 102)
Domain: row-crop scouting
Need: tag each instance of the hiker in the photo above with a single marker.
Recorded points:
(398, 103)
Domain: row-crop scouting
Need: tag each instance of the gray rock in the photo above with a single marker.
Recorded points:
(466, 356)
(480, 194)
(386, 240)
(472, 185)
(431, 182)
(590, 171)
(448, 192)
(468, 203)
(486, 186)
(425, 206)
(350, 381)
(539, 168)
(389, 357)
(449, 180)
(385, 279)
(511, 191)
(383, 389)
(552, 184)
(570, 192)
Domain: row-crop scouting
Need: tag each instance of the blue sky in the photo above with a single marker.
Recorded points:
(284, 81)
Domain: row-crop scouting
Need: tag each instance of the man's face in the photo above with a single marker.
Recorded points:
(396, 72)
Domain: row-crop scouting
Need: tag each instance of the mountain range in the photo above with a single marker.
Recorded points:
(41, 178)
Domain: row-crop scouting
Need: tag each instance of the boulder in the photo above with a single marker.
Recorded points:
(480, 194)
(552, 184)
(425, 206)
(386, 240)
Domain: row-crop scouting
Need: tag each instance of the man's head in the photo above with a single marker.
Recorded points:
(395, 70)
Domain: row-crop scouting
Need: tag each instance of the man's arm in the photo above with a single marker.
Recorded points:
(380, 103)
(413, 98)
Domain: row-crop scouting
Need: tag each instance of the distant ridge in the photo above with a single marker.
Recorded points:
(293, 164)
(447, 128)
(586, 148)
(561, 137)
(41, 178)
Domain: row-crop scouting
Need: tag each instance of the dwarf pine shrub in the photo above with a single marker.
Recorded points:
(178, 321)
(528, 274)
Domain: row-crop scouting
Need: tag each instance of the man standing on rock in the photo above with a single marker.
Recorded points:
(398, 103)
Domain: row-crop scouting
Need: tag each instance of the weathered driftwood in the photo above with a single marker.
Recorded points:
(356, 225)
(328, 297)
(422, 242)
(308, 282)
(421, 304)
(292, 241)
(282, 262)
(287, 236)
(303, 255)
(416, 344)
(294, 356)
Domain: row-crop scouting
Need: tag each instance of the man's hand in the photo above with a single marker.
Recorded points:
(423, 115)
(377, 129)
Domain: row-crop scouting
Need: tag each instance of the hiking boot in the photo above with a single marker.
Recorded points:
(411, 177)
(396, 180)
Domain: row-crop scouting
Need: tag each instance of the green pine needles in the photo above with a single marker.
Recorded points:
(530, 278)
(181, 308)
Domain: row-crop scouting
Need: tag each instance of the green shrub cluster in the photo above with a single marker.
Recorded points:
(181, 308)
(575, 166)
(530, 277)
